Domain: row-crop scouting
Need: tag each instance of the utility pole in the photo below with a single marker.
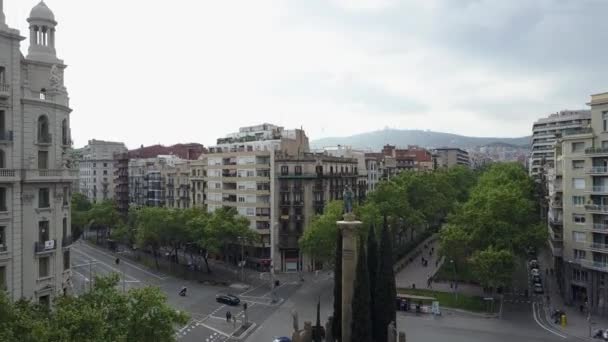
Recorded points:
(242, 258)
(122, 269)
(91, 275)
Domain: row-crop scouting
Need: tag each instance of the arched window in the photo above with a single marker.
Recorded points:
(43, 130)
(2, 160)
(43, 94)
(65, 136)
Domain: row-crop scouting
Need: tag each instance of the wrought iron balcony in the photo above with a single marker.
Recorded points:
(5, 90)
(45, 139)
(45, 247)
(6, 136)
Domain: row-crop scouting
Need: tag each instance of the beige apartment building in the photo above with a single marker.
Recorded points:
(198, 186)
(177, 186)
(36, 172)
(578, 210)
(449, 157)
(240, 174)
(303, 185)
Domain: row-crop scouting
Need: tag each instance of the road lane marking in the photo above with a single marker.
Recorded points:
(540, 324)
(127, 263)
(120, 272)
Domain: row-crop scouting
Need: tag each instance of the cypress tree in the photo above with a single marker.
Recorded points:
(372, 259)
(385, 292)
(361, 325)
(337, 318)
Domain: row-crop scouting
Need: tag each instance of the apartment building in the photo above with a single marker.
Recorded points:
(544, 133)
(177, 186)
(198, 185)
(97, 169)
(303, 184)
(36, 172)
(359, 156)
(121, 182)
(447, 157)
(146, 180)
(413, 157)
(240, 174)
(578, 210)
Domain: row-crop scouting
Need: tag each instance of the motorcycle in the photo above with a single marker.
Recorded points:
(182, 292)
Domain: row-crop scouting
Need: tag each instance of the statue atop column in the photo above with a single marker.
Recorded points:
(55, 78)
(347, 197)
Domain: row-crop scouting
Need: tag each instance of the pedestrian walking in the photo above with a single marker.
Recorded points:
(228, 316)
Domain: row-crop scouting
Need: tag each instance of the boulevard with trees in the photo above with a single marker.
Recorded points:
(102, 314)
(158, 230)
(496, 226)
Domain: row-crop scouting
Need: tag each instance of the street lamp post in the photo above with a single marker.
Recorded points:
(454, 277)
(240, 238)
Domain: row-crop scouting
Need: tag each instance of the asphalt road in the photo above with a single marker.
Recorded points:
(208, 322)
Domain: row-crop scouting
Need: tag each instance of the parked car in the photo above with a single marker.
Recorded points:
(535, 272)
(281, 339)
(227, 299)
(538, 289)
(536, 280)
(533, 263)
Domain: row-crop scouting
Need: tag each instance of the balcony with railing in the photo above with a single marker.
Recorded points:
(556, 220)
(597, 208)
(556, 248)
(45, 247)
(44, 139)
(598, 189)
(45, 175)
(8, 175)
(598, 246)
(598, 170)
(6, 137)
(5, 90)
(595, 265)
(600, 228)
(596, 150)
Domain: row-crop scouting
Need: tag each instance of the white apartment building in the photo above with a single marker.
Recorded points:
(544, 132)
(578, 210)
(147, 181)
(35, 169)
(240, 174)
(97, 169)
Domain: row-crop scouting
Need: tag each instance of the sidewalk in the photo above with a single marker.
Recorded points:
(577, 321)
(415, 273)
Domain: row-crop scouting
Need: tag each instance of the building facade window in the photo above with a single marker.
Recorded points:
(2, 277)
(579, 236)
(66, 260)
(3, 244)
(578, 164)
(43, 129)
(44, 200)
(43, 231)
(578, 147)
(580, 254)
(43, 160)
(578, 201)
(578, 218)
(579, 275)
(3, 200)
(284, 170)
(578, 183)
(605, 120)
(298, 170)
(43, 267)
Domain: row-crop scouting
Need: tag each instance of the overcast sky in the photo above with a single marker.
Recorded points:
(151, 71)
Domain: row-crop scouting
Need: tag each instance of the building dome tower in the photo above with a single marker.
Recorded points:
(42, 34)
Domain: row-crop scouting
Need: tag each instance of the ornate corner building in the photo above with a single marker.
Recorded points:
(36, 173)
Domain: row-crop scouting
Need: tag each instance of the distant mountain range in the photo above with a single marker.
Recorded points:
(377, 139)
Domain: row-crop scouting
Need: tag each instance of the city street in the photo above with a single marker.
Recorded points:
(208, 320)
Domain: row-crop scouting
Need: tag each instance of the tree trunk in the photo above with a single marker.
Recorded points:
(206, 263)
(175, 249)
(155, 253)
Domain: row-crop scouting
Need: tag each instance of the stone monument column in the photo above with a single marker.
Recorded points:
(349, 226)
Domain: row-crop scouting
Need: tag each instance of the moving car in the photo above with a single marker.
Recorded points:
(227, 299)
(281, 339)
(538, 289)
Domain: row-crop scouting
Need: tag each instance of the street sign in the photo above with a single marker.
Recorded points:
(50, 244)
